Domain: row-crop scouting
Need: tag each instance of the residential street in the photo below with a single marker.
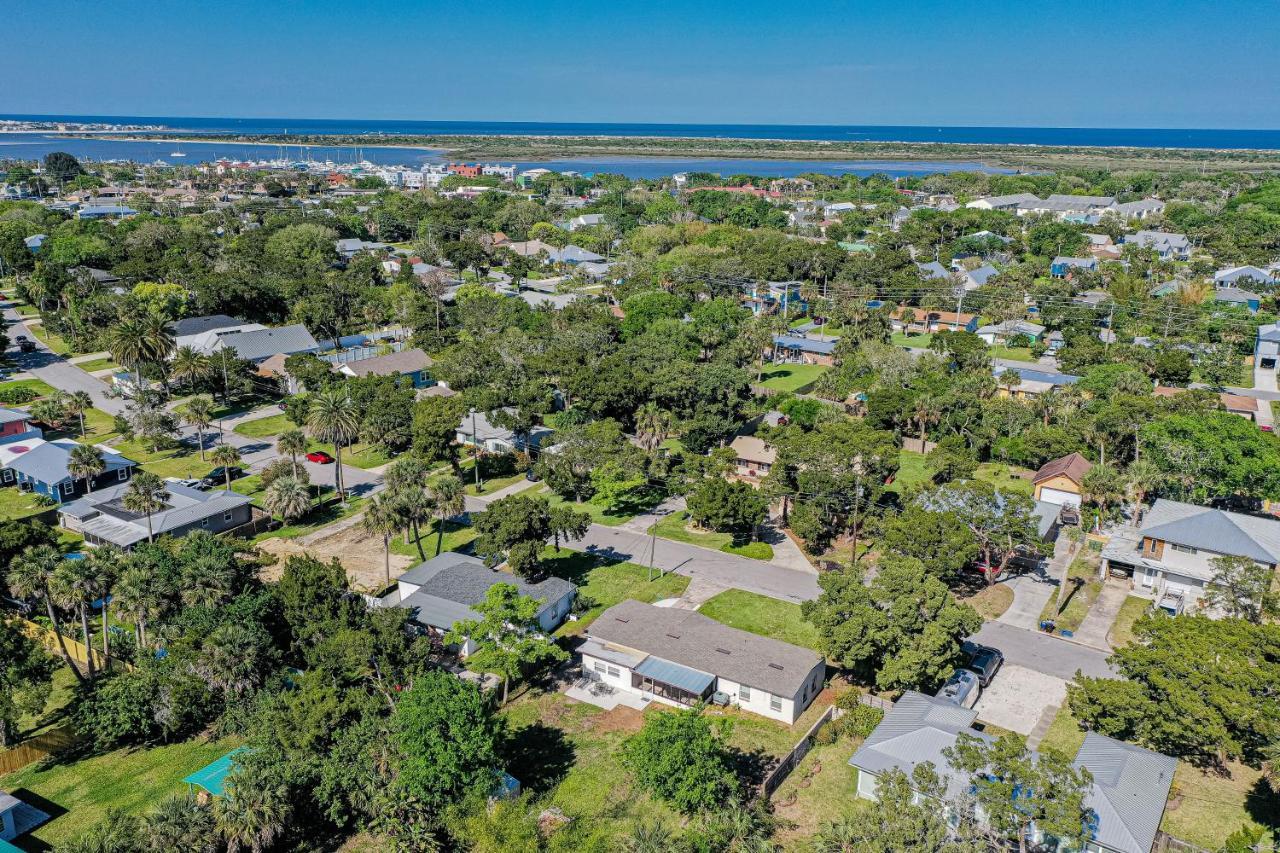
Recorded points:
(1043, 653)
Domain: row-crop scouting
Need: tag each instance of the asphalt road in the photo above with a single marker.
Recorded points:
(1043, 652)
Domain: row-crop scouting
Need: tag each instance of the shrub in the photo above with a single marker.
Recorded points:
(15, 395)
(858, 719)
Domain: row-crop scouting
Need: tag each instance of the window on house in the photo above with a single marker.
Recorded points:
(597, 666)
(122, 474)
(614, 672)
(744, 693)
(227, 516)
(204, 522)
(775, 703)
(68, 488)
(1186, 549)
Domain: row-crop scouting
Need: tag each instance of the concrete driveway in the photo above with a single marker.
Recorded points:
(1018, 697)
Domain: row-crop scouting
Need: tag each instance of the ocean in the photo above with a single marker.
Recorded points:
(36, 145)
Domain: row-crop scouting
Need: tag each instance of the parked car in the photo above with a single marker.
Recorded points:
(319, 457)
(219, 476)
(190, 483)
(961, 689)
(984, 662)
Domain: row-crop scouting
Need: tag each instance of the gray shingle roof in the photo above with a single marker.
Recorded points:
(393, 364)
(1214, 530)
(198, 325)
(703, 644)
(48, 462)
(260, 343)
(449, 585)
(1130, 789)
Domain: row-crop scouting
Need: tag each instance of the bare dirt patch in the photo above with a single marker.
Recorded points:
(360, 554)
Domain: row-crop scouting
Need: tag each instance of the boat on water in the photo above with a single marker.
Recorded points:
(177, 153)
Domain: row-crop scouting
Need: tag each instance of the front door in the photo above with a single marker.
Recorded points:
(1148, 577)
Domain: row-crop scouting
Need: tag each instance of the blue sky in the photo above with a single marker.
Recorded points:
(1129, 64)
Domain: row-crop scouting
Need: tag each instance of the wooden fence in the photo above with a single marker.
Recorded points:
(784, 767)
(75, 648)
(36, 749)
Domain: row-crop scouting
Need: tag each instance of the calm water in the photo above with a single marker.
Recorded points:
(33, 146)
(1137, 137)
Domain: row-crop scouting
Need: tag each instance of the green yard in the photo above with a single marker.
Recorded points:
(36, 386)
(1010, 353)
(491, 485)
(50, 339)
(598, 513)
(603, 584)
(912, 471)
(96, 364)
(132, 781)
(898, 339)
(821, 789)
(761, 615)
(99, 427)
(357, 455)
(1134, 607)
(1083, 586)
(325, 515)
(456, 538)
(676, 527)
(182, 462)
(15, 504)
(791, 377)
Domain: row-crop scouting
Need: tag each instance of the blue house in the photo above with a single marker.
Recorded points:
(1062, 266)
(1238, 297)
(41, 466)
(106, 211)
(776, 296)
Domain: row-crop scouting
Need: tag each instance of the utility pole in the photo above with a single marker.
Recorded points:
(475, 449)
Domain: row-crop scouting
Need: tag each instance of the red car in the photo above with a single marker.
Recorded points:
(319, 457)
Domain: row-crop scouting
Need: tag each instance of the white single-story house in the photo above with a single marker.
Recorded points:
(680, 657)
(475, 428)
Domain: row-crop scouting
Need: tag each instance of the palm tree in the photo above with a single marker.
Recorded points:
(1271, 766)
(146, 494)
(925, 413)
(77, 403)
(449, 499)
(157, 340)
(74, 585)
(139, 597)
(189, 365)
(382, 518)
(198, 411)
(179, 822)
(85, 463)
(127, 345)
(653, 425)
(206, 582)
(287, 497)
(226, 456)
(30, 575)
(331, 416)
(106, 563)
(250, 815)
(294, 443)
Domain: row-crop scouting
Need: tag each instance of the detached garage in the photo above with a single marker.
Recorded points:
(1061, 481)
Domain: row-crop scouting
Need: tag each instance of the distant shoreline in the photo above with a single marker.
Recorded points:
(1023, 156)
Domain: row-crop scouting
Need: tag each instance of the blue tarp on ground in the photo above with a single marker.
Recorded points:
(683, 677)
(213, 777)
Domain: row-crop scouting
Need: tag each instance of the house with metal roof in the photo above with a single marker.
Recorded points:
(680, 657)
(445, 589)
(40, 466)
(258, 345)
(414, 364)
(476, 428)
(15, 425)
(1127, 798)
(1243, 275)
(1266, 349)
(997, 333)
(799, 349)
(1169, 557)
(1033, 382)
(103, 519)
(1063, 266)
(17, 818)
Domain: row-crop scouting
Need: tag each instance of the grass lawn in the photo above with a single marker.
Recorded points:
(602, 584)
(182, 461)
(1122, 629)
(1084, 569)
(493, 484)
(37, 386)
(327, 514)
(912, 472)
(97, 364)
(51, 340)
(15, 504)
(598, 513)
(1064, 735)
(356, 455)
(64, 687)
(762, 615)
(991, 601)
(569, 756)
(99, 427)
(1011, 353)
(821, 789)
(898, 339)
(676, 528)
(456, 538)
(791, 377)
(133, 781)
(266, 427)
